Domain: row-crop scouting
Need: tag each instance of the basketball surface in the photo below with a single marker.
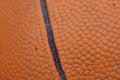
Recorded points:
(59, 39)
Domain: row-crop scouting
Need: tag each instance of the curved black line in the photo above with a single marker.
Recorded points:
(51, 40)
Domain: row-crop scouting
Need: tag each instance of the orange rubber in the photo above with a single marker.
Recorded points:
(24, 49)
(86, 33)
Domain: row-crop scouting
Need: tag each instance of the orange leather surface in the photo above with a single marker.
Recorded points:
(87, 35)
(86, 32)
(24, 49)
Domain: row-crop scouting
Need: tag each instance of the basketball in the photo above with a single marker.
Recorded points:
(59, 39)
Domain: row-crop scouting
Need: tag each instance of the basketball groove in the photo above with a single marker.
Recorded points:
(51, 40)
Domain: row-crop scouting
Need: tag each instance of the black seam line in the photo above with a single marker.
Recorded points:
(51, 40)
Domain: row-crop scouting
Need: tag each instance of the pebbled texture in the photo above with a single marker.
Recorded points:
(51, 40)
(24, 49)
(87, 35)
